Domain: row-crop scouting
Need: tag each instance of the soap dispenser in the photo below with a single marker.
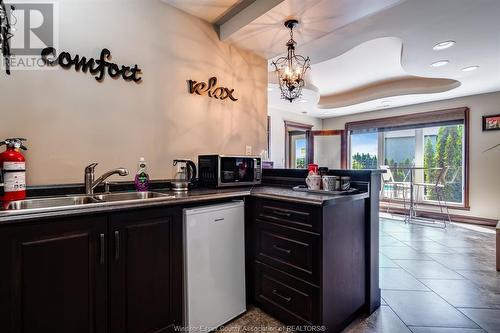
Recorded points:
(142, 177)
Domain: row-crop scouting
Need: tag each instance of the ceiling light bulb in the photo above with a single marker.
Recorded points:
(440, 63)
(443, 45)
(470, 68)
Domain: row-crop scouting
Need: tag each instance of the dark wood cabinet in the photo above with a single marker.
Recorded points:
(288, 249)
(306, 264)
(54, 276)
(119, 272)
(145, 288)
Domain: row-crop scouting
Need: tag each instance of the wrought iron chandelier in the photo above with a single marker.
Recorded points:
(291, 69)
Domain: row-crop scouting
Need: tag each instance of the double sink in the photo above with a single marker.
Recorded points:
(80, 201)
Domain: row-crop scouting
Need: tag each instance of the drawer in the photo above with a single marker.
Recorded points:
(287, 299)
(292, 214)
(290, 250)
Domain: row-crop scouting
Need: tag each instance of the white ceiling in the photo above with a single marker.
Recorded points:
(374, 60)
(267, 36)
(209, 10)
(359, 44)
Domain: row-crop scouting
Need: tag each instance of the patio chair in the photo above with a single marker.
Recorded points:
(389, 182)
(438, 187)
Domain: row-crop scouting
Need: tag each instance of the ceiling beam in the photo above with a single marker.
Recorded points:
(242, 14)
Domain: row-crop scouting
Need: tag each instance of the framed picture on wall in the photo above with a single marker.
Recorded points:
(491, 123)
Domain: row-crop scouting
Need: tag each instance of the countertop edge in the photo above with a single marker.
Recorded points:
(7, 218)
(13, 218)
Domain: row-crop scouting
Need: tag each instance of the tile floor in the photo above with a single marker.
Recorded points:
(433, 280)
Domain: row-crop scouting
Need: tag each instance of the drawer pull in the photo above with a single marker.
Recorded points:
(286, 299)
(280, 213)
(276, 247)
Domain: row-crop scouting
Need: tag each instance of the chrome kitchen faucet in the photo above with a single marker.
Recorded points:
(91, 184)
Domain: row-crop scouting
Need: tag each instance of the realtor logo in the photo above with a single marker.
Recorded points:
(35, 27)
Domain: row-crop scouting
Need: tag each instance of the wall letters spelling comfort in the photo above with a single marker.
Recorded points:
(215, 92)
(96, 67)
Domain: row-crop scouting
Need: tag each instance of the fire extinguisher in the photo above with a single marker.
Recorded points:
(12, 170)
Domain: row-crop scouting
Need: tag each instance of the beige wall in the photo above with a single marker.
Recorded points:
(484, 167)
(71, 120)
(278, 117)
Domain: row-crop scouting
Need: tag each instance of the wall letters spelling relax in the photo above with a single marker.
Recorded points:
(96, 67)
(215, 92)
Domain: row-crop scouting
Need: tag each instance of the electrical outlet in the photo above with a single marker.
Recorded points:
(248, 150)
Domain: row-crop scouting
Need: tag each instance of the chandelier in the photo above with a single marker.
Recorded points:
(291, 69)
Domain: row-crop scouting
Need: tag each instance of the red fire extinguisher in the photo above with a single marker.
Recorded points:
(12, 170)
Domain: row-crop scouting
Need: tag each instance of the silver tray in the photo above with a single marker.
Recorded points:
(302, 188)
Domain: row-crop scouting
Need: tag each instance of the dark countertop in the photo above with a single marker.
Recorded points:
(288, 194)
(192, 197)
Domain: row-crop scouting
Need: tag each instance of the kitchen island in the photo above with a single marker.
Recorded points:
(118, 266)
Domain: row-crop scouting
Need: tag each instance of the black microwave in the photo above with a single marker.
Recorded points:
(228, 170)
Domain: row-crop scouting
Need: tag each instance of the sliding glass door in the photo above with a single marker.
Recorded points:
(444, 146)
(431, 147)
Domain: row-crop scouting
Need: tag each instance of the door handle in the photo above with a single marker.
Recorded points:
(286, 299)
(102, 243)
(276, 247)
(117, 245)
(280, 213)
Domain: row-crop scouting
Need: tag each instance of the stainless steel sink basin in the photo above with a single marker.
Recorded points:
(79, 201)
(124, 196)
(51, 202)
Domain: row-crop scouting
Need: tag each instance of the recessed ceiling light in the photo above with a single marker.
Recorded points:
(303, 101)
(470, 68)
(440, 63)
(443, 45)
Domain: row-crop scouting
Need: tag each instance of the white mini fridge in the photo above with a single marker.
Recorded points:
(214, 265)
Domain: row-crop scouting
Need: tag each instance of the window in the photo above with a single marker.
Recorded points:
(399, 147)
(444, 146)
(400, 142)
(364, 150)
(297, 151)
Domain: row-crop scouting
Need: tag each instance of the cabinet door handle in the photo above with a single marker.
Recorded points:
(117, 245)
(280, 213)
(101, 250)
(286, 299)
(277, 247)
(218, 220)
